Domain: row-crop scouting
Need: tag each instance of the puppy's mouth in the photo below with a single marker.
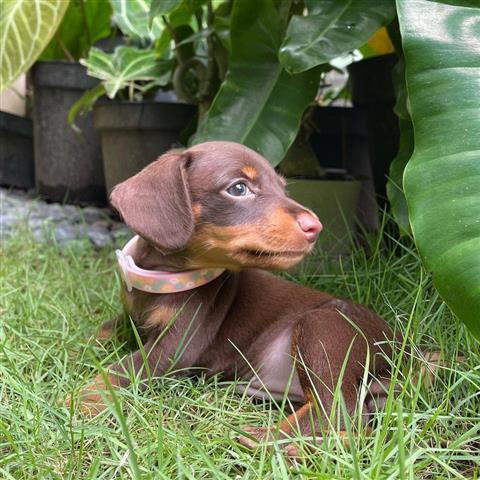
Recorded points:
(265, 254)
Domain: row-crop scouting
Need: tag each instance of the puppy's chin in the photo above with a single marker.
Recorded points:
(249, 258)
(269, 260)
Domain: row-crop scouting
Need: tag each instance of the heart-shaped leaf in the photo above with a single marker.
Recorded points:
(133, 19)
(441, 43)
(26, 27)
(125, 65)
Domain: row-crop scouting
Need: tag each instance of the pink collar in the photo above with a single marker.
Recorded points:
(156, 281)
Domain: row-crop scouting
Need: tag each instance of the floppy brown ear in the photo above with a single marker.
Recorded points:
(155, 203)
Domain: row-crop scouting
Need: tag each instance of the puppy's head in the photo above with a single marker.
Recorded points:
(219, 204)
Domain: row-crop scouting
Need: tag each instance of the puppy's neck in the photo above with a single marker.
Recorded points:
(147, 256)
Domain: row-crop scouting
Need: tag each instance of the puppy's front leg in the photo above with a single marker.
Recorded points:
(153, 362)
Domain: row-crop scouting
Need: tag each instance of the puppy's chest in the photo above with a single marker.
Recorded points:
(152, 311)
(160, 317)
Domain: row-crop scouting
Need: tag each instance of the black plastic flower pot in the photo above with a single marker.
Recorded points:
(135, 134)
(16, 151)
(68, 165)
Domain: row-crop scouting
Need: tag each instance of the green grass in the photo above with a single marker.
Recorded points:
(52, 302)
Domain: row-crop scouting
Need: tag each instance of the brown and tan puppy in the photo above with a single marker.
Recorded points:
(220, 204)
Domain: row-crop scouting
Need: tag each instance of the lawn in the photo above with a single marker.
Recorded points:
(52, 302)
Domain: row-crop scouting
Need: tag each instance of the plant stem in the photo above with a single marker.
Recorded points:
(173, 33)
(64, 48)
(130, 91)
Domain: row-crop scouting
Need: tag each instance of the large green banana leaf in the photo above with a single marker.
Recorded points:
(26, 27)
(441, 43)
(259, 104)
(331, 28)
(395, 191)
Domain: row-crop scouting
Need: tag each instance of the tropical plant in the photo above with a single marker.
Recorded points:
(264, 94)
(193, 67)
(441, 180)
(277, 56)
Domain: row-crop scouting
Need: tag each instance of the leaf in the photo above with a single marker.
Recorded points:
(332, 28)
(180, 16)
(162, 7)
(222, 29)
(395, 191)
(133, 19)
(84, 104)
(26, 26)
(162, 44)
(441, 44)
(126, 65)
(259, 104)
(84, 23)
(195, 37)
(378, 44)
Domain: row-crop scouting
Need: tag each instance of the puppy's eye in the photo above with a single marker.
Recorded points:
(239, 189)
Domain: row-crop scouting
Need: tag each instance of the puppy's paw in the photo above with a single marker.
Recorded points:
(108, 329)
(91, 400)
(104, 334)
(255, 436)
(291, 451)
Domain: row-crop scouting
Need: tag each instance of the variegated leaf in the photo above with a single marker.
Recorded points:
(133, 19)
(26, 27)
(125, 65)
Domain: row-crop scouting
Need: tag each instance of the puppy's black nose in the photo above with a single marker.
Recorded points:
(310, 225)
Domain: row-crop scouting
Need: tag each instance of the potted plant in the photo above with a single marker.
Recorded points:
(133, 127)
(155, 90)
(68, 165)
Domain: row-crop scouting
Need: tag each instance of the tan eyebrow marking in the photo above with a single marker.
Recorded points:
(197, 210)
(249, 171)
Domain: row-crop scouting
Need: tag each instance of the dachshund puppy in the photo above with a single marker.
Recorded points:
(212, 221)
